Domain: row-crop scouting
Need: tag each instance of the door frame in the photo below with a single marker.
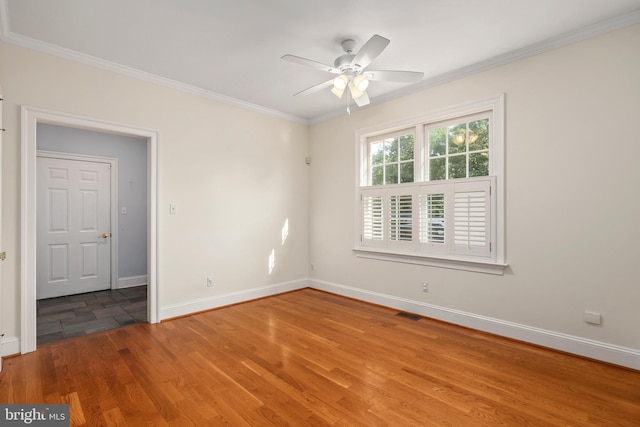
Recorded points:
(113, 208)
(1, 248)
(31, 116)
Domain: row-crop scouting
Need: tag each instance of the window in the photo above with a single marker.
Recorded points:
(430, 191)
(458, 149)
(391, 159)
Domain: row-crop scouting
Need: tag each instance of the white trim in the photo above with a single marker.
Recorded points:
(493, 104)
(609, 353)
(93, 61)
(131, 282)
(575, 36)
(113, 162)
(436, 260)
(30, 117)
(1, 247)
(595, 30)
(182, 309)
(10, 346)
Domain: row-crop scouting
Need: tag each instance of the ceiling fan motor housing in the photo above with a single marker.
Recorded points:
(343, 63)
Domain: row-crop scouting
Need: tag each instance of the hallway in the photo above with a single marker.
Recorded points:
(83, 314)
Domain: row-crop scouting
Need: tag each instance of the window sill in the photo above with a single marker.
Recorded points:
(465, 264)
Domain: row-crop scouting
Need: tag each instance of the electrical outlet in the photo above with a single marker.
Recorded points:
(425, 287)
(209, 282)
(592, 317)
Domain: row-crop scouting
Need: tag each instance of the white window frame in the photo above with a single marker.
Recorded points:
(415, 252)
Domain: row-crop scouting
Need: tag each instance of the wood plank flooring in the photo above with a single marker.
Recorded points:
(308, 358)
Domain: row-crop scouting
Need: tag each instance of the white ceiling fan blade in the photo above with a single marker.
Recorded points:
(309, 63)
(362, 100)
(370, 51)
(315, 88)
(394, 76)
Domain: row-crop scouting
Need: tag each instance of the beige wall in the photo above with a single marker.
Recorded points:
(572, 197)
(572, 202)
(235, 175)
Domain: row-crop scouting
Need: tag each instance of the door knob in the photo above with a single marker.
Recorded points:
(104, 235)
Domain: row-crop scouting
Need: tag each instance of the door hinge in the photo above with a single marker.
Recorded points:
(3, 256)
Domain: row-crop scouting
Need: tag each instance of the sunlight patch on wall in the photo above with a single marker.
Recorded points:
(272, 261)
(285, 231)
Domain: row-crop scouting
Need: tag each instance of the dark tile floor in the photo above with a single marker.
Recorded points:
(82, 314)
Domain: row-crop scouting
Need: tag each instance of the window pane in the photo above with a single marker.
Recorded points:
(457, 138)
(437, 169)
(457, 167)
(406, 147)
(437, 142)
(406, 172)
(391, 174)
(391, 148)
(479, 135)
(377, 153)
(479, 164)
(377, 175)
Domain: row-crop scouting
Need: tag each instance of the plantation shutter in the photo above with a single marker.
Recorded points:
(432, 217)
(372, 219)
(472, 218)
(401, 218)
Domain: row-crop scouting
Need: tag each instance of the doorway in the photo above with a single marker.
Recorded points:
(31, 117)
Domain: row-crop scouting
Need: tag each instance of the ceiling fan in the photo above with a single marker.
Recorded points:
(351, 72)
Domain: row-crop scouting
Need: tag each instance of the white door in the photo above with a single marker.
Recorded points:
(73, 235)
(3, 255)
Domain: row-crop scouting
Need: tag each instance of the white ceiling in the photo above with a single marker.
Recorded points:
(231, 49)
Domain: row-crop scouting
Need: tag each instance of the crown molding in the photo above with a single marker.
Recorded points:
(9, 37)
(553, 43)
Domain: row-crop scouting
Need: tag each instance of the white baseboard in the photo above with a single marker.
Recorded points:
(10, 346)
(218, 301)
(130, 282)
(580, 346)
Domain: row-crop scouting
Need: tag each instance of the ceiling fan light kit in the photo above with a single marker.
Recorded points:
(350, 69)
(355, 93)
(360, 82)
(340, 82)
(337, 92)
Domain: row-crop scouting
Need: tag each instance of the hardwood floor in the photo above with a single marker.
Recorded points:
(316, 359)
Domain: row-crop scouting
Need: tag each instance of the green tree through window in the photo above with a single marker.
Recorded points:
(392, 160)
(458, 150)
